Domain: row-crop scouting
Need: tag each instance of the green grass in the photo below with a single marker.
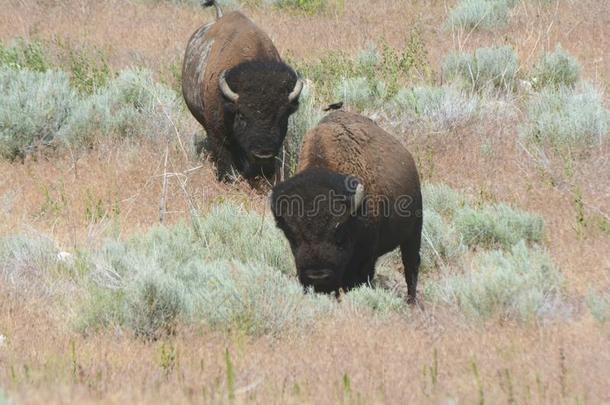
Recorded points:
(372, 66)
(21, 54)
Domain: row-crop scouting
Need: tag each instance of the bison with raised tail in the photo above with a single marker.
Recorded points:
(236, 85)
(356, 196)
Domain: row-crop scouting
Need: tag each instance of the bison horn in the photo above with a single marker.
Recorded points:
(226, 90)
(296, 92)
(358, 198)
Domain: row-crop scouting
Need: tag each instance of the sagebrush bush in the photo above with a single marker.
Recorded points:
(221, 272)
(360, 93)
(35, 107)
(556, 69)
(599, 305)
(41, 109)
(441, 244)
(522, 284)
(494, 67)
(132, 104)
(566, 118)
(26, 264)
(479, 14)
(377, 300)
(441, 108)
(443, 199)
(498, 225)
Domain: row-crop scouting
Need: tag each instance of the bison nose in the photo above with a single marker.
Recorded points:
(263, 155)
(318, 274)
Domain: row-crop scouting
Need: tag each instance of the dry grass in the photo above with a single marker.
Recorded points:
(430, 359)
(363, 360)
(154, 35)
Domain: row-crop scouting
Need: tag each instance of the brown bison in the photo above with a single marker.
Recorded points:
(356, 196)
(236, 85)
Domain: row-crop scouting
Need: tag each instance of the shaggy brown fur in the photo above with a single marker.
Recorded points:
(336, 249)
(351, 144)
(255, 71)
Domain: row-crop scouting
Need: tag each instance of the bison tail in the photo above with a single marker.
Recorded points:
(209, 3)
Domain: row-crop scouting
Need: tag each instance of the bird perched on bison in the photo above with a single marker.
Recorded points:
(355, 197)
(236, 85)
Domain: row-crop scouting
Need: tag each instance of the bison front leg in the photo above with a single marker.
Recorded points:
(222, 158)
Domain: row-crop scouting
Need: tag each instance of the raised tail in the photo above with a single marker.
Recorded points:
(208, 3)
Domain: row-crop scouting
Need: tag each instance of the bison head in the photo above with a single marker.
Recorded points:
(319, 211)
(258, 99)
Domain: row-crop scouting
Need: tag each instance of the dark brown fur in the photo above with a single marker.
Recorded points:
(342, 149)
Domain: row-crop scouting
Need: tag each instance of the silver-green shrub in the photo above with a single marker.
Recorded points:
(479, 14)
(441, 244)
(494, 67)
(377, 300)
(26, 264)
(132, 104)
(229, 272)
(35, 106)
(556, 69)
(497, 225)
(522, 284)
(441, 108)
(566, 118)
(599, 305)
(360, 92)
(443, 199)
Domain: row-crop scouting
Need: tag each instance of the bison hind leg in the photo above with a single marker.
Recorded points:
(411, 260)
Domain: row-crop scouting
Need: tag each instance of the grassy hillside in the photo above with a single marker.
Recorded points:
(128, 274)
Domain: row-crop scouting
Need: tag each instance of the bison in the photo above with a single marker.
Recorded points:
(355, 197)
(239, 89)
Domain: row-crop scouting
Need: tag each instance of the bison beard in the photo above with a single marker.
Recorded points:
(356, 197)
